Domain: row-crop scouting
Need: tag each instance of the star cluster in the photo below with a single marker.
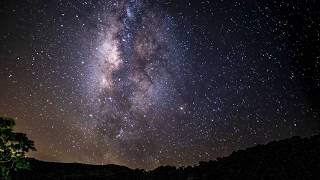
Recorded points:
(147, 83)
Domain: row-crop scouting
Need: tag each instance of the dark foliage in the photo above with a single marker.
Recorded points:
(294, 158)
(13, 147)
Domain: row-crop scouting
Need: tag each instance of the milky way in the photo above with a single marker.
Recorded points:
(136, 72)
(146, 83)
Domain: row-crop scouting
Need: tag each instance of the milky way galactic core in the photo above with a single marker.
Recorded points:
(137, 75)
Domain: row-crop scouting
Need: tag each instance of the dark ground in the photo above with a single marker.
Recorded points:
(294, 158)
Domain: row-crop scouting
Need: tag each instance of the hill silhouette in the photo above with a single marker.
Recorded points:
(294, 158)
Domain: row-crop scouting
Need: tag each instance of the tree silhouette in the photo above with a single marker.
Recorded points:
(13, 147)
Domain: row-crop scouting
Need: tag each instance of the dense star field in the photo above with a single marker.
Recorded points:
(146, 83)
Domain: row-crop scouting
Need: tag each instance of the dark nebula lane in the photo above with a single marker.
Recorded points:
(146, 83)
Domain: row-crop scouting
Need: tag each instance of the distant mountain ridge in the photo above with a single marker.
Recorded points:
(294, 158)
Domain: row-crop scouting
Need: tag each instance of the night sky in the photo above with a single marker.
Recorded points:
(144, 83)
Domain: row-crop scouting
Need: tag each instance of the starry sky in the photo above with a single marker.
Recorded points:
(144, 83)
